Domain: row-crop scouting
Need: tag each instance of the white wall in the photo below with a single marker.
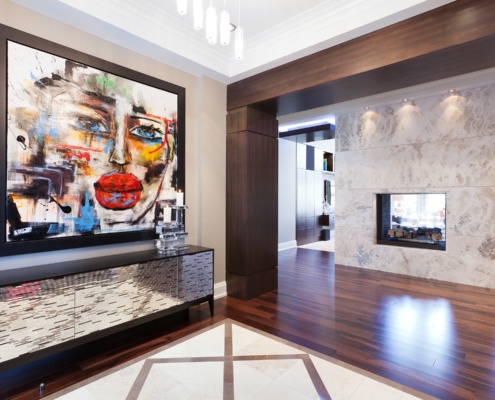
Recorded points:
(205, 139)
(286, 194)
(444, 143)
(211, 172)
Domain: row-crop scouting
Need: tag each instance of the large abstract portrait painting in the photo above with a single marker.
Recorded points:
(89, 152)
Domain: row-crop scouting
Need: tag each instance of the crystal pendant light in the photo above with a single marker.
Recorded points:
(225, 25)
(182, 7)
(213, 27)
(198, 14)
(239, 43)
(211, 24)
(239, 38)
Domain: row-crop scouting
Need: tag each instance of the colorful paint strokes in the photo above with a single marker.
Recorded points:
(88, 152)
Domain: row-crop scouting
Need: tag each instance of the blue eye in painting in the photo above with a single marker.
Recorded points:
(91, 124)
(148, 132)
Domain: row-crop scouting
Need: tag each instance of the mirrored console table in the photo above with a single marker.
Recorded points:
(46, 309)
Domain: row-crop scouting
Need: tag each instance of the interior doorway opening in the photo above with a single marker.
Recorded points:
(307, 188)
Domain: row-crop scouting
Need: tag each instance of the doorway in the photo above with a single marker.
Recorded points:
(307, 188)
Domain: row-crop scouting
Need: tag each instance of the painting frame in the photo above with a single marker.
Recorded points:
(10, 248)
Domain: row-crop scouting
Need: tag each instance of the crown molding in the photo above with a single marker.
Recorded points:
(325, 26)
(147, 29)
(158, 29)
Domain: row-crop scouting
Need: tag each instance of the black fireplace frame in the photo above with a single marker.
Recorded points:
(383, 204)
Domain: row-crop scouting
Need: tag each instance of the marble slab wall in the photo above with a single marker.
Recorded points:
(443, 143)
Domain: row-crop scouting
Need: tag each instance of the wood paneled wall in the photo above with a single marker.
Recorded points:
(451, 40)
(252, 203)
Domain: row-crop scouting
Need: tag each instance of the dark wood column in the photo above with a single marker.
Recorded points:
(252, 203)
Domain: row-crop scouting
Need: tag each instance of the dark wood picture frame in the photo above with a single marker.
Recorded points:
(8, 248)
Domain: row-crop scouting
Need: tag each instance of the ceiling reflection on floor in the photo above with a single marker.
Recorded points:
(411, 322)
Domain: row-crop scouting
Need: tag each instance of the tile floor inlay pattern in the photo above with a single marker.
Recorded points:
(232, 361)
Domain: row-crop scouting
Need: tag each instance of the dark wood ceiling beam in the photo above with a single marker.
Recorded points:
(452, 40)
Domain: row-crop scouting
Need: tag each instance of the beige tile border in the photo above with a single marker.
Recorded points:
(228, 360)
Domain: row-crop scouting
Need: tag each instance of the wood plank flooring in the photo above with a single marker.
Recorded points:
(435, 337)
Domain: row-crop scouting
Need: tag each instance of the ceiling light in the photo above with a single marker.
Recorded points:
(306, 124)
(198, 14)
(225, 27)
(239, 43)
(239, 38)
(182, 7)
(211, 24)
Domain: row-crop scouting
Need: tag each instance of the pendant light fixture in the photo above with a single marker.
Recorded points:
(182, 7)
(211, 24)
(239, 43)
(239, 38)
(198, 14)
(213, 27)
(225, 26)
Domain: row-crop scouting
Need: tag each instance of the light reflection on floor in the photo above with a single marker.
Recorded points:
(431, 321)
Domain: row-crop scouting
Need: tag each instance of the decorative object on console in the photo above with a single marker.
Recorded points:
(180, 198)
(90, 147)
(171, 230)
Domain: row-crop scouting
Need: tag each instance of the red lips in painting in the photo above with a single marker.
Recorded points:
(118, 191)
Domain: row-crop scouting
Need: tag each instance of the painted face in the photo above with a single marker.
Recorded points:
(121, 151)
(99, 145)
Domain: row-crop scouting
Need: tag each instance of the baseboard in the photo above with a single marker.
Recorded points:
(287, 245)
(220, 290)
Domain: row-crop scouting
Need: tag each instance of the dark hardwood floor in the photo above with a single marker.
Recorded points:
(435, 337)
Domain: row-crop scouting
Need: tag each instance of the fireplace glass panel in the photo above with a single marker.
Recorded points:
(412, 220)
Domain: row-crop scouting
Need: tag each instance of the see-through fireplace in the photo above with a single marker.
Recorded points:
(412, 219)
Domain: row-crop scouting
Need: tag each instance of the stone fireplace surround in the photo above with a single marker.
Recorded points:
(443, 143)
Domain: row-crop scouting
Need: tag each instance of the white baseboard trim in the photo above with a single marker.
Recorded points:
(287, 245)
(220, 290)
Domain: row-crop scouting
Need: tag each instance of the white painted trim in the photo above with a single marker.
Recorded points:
(171, 40)
(287, 245)
(220, 290)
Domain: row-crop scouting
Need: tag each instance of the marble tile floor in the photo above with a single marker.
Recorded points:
(233, 361)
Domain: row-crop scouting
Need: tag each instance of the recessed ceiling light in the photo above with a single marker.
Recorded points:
(299, 125)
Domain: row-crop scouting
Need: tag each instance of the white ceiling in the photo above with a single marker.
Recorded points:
(276, 31)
